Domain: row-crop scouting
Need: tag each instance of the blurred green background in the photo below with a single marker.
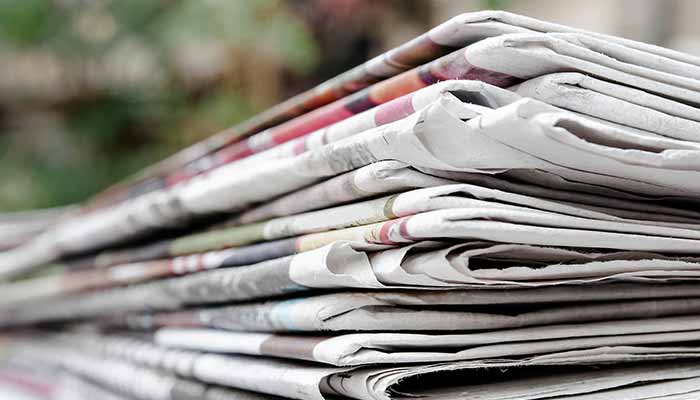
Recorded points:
(93, 91)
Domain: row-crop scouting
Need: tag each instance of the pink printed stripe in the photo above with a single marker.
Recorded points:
(384, 232)
(293, 129)
(394, 110)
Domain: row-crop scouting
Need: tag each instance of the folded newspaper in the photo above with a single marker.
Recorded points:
(501, 208)
(638, 372)
(467, 310)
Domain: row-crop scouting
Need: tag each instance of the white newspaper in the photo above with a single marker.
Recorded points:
(528, 55)
(379, 178)
(545, 185)
(498, 378)
(87, 376)
(475, 26)
(16, 228)
(392, 348)
(340, 266)
(615, 103)
(453, 310)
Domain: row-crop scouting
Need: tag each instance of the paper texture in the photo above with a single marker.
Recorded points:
(391, 348)
(309, 381)
(442, 310)
(652, 115)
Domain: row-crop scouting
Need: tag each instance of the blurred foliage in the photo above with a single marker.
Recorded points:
(128, 82)
(496, 4)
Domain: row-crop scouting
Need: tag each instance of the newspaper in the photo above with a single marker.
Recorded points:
(340, 265)
(73, 387)
(455, 33)
(572, 52)
(392, 176)
(634, 382)
(615, 103)
(98, 378)
(547, 185)
(50, 384)
(508, 226)
(311, 381)
(392, 348)
(475, 94)
(466, 309)
(390, 207)
(17, 228)
(465, 197)
(23, 382)
(435, 138)
(380, 178)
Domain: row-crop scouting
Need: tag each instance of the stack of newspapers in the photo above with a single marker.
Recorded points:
(501, 208)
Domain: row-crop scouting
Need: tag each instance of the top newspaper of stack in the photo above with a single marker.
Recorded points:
(622, 115)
